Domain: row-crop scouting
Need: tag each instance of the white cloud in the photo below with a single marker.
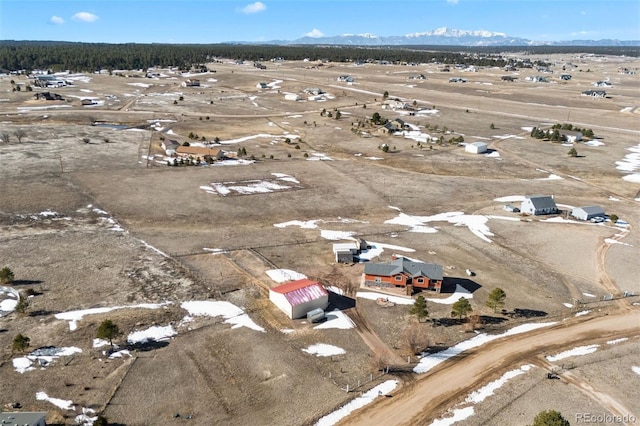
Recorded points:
(85, 17)
(56, 20)
(315, 33)
(453, 1)
(253, 8)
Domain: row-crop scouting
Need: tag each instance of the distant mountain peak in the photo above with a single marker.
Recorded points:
(450, 32)
(365, 35)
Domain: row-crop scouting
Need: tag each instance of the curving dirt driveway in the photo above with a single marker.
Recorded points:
(426, 397)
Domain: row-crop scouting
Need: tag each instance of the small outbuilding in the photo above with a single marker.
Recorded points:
(297, 298)
(476, 147)
(587, 213)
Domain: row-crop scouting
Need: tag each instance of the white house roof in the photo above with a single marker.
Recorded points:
(590, 210)
(342, 247)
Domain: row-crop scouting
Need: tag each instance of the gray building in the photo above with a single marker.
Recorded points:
(23, 419)
(587, 213)
(538, 205)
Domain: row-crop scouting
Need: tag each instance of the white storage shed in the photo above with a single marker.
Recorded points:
(476, 147)
(296, 298)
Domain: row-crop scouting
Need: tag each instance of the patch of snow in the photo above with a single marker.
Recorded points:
(616, 341)
(460, 292)
(588, 295)
(581, 313)
(119, 354)
(365, 399)
(635, 369)
(580, 350)
(155, 333)
(74, 316)
(309, 224)
(284, 275)
(60, 403)
(612, 241)
(85, 419)
(432, 360)
(510, 199)
(322, 349)
(488, 390)
(336, 235)
(230, 312)
(568, 305)
(336, 319)
(398, 300)
(459, 414)
(378, 248)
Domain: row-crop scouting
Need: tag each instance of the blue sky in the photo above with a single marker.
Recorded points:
(217, 21)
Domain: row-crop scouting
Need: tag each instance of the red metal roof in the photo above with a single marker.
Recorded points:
(301, 291)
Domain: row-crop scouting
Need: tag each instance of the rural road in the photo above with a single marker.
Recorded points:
(425, 398)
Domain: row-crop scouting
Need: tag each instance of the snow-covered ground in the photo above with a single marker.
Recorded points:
(366, 398)
(477, 396)
(323, 349)
(432, 360)
(580, 350)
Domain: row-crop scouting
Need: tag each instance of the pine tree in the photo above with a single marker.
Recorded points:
(6, 275)
(20, 343)
(108, 330)
(550, 418)
(496, 299)
(461, 308)
(419, 308)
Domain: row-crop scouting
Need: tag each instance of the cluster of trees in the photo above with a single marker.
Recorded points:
(462, 307)
(554, 135)
(335, 114)
(587, 133)
(5, 137)
(59, 56)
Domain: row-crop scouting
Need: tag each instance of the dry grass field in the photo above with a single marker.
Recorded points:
(92, 216)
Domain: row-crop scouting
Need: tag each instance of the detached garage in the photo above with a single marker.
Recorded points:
(587, 213)
(476, 147)
(299, 297)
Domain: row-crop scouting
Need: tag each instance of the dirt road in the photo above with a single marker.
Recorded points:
(425, 398)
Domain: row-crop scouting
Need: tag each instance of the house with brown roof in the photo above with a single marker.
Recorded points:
(199, 152)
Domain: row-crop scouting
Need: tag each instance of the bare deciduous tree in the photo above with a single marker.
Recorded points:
(19, 134)
(5, 137)
(415, 338)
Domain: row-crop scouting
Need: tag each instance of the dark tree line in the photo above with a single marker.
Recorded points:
(58, 56)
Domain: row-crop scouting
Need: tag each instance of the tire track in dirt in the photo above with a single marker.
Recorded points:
(433, 392)
(605, 400)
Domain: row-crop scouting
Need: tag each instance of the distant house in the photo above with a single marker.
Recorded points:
(508, 78)
(345, 78)
(314, 91)
(565, 77)
(587, 213)
(595, 93)
(23, 418)
(170, 146)
(394, 104)
(457, 80)
(296, 298)
(476, 147)
(348, 252)
(292, 97)
(402, 272)
(602, 84)
(192, 82)
(262, 85)
(48, 96)
(539, 205)
(395, 125)
(86, 102)
(571, 136)
(417, 77)
(199, 151)
(537, 79)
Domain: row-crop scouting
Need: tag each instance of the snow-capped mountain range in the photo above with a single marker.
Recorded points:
(448, 37)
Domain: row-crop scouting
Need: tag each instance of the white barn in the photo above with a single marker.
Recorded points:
(476, 147)
(296, 298)
(587, 213)
(538, 205)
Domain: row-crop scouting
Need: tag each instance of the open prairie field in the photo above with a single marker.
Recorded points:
(98, 222)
